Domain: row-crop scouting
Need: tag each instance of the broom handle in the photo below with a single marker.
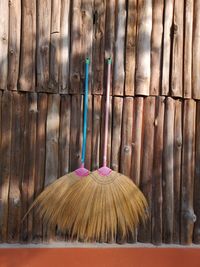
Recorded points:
(85, 110)
(107, 113)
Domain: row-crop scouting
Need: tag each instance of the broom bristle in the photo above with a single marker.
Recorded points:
(49, 199)
(99, 208)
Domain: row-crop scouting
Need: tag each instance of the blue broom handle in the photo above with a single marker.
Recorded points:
(85, 110)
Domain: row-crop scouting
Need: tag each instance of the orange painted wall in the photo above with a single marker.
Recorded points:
(100, 257)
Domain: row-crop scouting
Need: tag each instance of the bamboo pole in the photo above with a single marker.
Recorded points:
(143, 54)
(40, 161)
(196, 51)
(64, 46)
(43, 44)
(5, 152)
(54, 67)
(187, 63)
(130, 60)
(168, 174)
(119, 62)
(187, 184)
(177, 168)
(14, 43)
(4, 19)
(167, 44)
(156, 46)
(116, 132)
(157, 172)
(28, 46)
(197, 180)
(177, 50)
(98, 45)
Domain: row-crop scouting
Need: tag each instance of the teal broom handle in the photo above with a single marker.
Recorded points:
(85, 110)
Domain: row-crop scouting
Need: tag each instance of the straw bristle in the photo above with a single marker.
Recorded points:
(101, 208)
(49, 200)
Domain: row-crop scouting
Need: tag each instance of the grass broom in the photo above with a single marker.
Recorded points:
(104, 207)
(49, 201)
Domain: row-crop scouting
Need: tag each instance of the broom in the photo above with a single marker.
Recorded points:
(106, 206)
(49, 201)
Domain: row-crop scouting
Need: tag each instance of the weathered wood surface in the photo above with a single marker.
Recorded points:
(157, 197)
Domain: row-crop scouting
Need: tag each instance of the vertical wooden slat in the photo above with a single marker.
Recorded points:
(98, 45)
(64, 46)
(119, 62)
(168, 174)
(4, 19)
(64, 137)
(144, 234)
(14, 43)
(75, 52)
(75, 132)
(29, 165)
(127, 135)
(16, 174)
(87, 35)
(187, 63)
(116, 132)
(143, 54)
(177, 50)
(88, 156)
(96, 126)
(157, 172)
(43, 44)
(55, 46)
(187, 186)
(6, 128)
(52, 139)
(196, 51)
(197, 178)
(168, 18)
(40, 160)
(177, 168)
(137, 139)
(156, 46)
(130, 48)
(28, 46)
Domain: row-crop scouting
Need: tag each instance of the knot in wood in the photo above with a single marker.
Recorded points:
(4, 37)
(44, 49)
(190, 216)
(76, 77)
(126, 149)
(16, 201)
(175, 28)
(11, 51)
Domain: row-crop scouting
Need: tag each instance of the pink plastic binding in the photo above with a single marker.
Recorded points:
(82, 172)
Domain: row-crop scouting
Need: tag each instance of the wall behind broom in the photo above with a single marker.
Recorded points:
(154, 119)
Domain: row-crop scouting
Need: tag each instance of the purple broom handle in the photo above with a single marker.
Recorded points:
(107, 113)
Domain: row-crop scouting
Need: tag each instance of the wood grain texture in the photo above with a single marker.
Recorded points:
(187, 186)
(28, 47)
(43, 45)
(4, 22)
(187, 63)
(76, 48)
(98, 45)
(177, 50)
(55, 46)
(144, 233)
(167, 45)
(116, 132)
(130, 59)
(119, 62)
(17, 170)
(14, 43)
(196, 51)
(143, 58)
(196, 235)
(6, 131)
(158, 172)
(178, 140)
(64, 46)
(168, 174)
(156, 46)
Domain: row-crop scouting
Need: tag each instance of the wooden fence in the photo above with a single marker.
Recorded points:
(155, 110)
